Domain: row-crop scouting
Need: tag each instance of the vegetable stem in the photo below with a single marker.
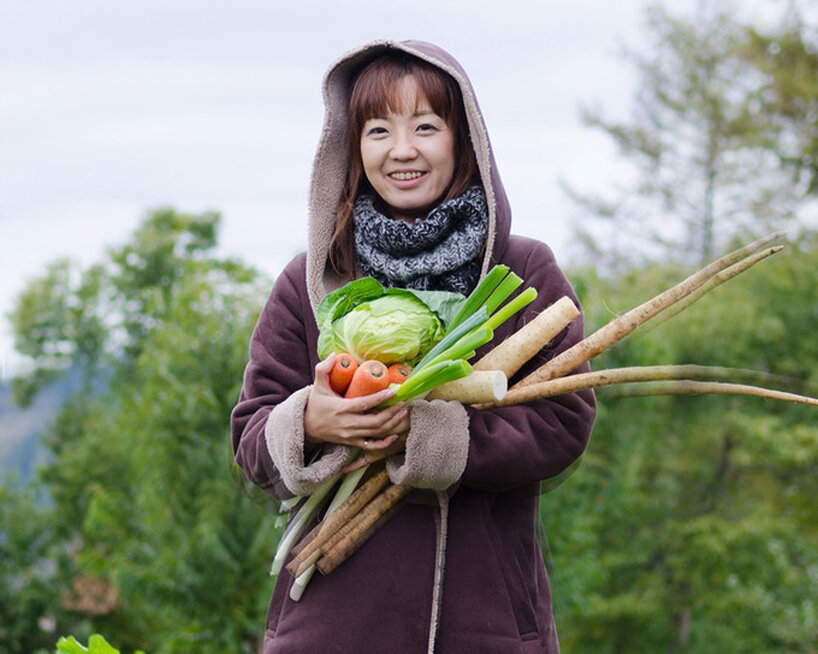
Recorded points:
(471, 341)
(452, 336)
(432, 376)
(503, 290)
(477, 298)
(512, 307)
(299, 523)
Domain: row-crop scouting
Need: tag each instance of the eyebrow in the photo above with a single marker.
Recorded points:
(424, 112)
(418, 114)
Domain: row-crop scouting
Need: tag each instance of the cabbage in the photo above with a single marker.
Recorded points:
(390, 325)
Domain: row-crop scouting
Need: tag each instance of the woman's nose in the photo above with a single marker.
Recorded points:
(403, 147)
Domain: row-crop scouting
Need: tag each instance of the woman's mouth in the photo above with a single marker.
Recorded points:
(403, 176)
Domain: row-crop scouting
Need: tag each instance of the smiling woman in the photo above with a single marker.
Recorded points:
(405, 190)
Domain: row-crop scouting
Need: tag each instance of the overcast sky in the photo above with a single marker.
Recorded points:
(109, 108)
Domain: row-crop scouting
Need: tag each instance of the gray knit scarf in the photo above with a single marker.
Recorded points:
(440, 252)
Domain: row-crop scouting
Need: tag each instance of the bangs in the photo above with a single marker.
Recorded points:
(377, 90)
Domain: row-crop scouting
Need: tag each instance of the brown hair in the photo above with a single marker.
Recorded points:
(376, 92)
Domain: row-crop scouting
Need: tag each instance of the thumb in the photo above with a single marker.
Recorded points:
(322, 371)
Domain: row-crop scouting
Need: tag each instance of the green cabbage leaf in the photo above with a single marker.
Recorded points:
(391, 325)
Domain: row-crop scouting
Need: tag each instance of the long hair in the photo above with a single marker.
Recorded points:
(375, 93)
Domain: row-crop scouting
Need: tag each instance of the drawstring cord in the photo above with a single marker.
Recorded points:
(440, 562)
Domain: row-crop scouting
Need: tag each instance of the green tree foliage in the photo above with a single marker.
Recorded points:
(169, 546)
(699, 148)
(691, 525)
(28, 572)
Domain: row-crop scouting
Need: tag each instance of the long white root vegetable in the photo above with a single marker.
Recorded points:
(514, 352)
(478, 387)
(669, 376)
(688, 387)
(620, 327)
(710, 284)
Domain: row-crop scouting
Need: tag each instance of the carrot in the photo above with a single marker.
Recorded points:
(398, 372)
(342, 371)
(370, 377)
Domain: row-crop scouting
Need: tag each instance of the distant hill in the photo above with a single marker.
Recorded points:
(21, 429)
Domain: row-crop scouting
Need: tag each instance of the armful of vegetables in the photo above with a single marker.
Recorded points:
(417, 341)
(438, 354)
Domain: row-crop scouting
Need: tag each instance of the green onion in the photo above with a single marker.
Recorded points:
(348, 485)
(453, 335)
(346, 488)
(471, 341)
(480, 294)
(430, 377)
(505, 288)
(513, 306)
(299, 523)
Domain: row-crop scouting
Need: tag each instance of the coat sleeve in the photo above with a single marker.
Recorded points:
(537, 440)
(267, 423)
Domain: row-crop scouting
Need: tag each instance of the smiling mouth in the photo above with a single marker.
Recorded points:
(402, 176)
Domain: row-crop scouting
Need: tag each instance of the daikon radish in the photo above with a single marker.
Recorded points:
(622, 326)
(510, 355)
(478, 387)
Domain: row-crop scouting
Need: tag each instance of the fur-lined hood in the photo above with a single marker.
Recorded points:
(330, 165)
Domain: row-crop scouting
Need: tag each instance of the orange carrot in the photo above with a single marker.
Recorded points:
(370, 377)
(398, 372)
(342, 370)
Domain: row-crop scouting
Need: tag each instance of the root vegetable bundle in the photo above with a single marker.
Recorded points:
(444, 372)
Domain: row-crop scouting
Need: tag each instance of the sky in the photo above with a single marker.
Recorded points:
(109, 108)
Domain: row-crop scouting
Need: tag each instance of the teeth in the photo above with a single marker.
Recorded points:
(405, 176)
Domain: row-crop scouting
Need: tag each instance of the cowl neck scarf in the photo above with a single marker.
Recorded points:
(440, 252)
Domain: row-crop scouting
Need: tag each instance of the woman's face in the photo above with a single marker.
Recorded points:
(408, 157)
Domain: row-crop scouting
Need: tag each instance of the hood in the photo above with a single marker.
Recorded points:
(329, 167)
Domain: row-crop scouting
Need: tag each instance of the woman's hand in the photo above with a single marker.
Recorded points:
(330, 418)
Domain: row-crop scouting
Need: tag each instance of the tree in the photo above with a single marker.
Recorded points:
(698, 145)
(169, 546)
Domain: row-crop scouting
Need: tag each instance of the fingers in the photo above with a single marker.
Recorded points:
(368, 402)
(376, 450)
(383, 422)
(358, 463)
(376, 444)
(398, 423)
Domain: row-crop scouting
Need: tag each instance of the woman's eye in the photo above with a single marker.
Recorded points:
(376, 131)
(427, 127)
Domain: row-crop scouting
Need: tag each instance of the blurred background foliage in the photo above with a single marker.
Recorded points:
(691, 524)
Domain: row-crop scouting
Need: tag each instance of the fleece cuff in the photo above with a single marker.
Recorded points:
(284, 433)
(436, 448)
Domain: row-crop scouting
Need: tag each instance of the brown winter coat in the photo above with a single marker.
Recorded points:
(462, 573)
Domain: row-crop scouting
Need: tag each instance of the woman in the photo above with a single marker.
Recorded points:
(405, 189)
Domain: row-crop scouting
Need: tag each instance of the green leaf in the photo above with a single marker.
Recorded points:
(392, 325)
(96, 645)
